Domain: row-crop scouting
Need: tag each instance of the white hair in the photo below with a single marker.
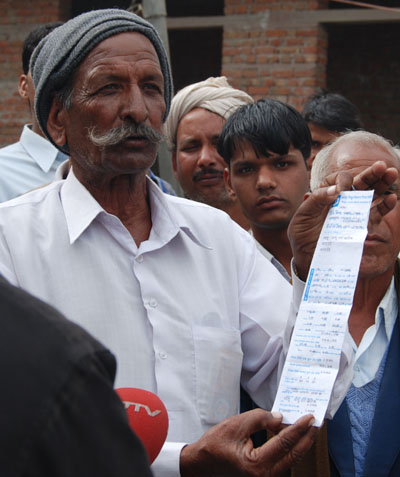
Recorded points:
(325, 160)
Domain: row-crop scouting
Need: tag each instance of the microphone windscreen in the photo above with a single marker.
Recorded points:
(147, 417)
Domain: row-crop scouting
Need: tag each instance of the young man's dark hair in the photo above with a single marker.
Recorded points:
(269, 126)
(33, 39)
(332, 111)
(328, 116)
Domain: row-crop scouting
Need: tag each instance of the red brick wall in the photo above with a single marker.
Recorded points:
(285, 64)
(18, 18)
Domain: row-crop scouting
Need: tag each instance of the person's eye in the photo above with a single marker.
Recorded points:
(315, 144)
(189, 148)
(282, 164)
(152, 87)
(245, 169)
(108, 88)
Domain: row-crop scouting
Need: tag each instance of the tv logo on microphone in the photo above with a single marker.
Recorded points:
(138, 406)
(150, 426)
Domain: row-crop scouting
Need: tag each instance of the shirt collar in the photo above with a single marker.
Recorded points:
(62, 171)
(81, 209)
(388, 309)
(166, 216)
(39, 148)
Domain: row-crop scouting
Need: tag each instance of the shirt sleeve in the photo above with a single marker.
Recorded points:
(265, 304)
(6, 265)
(167, 463)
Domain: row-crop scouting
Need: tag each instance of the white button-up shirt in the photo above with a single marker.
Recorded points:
(190, 313)
(27, 164)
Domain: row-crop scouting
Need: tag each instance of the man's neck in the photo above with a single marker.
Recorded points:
(276, 242)
(35, 125)
(367, 297)
(126, 197)
(235, 213)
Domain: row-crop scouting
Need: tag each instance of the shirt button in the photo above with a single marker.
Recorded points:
(357, 368)
(139, 259)
(153, 303)
(162, 355)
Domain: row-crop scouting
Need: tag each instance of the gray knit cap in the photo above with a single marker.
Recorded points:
(59, 54)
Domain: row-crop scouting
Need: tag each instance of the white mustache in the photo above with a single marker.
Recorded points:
(116, 135)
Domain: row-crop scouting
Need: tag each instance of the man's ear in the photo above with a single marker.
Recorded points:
(23, 87)
(174, 164)
(228, 183)
(56, 123)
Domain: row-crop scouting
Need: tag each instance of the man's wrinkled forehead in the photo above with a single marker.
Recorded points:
(128, 49)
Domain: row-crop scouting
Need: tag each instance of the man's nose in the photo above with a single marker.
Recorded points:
(265, 179)
(208, 157)
(133, 105)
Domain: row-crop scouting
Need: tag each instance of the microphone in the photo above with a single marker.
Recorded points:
(147, 417)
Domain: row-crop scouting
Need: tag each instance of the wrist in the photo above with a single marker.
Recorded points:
(186, 462)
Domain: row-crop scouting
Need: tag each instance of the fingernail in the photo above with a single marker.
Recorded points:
(277, 414)
(331, 190)
(311, 423)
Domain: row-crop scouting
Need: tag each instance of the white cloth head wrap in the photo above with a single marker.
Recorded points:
(214, 94)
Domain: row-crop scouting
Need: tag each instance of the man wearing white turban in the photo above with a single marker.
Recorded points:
(197, 116)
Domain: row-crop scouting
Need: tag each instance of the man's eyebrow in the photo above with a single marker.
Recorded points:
(153, 76)
(102, 75)
(242, 161)
(188, 140)
(283, 156)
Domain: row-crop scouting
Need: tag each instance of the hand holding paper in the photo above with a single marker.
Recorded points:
(306, 225)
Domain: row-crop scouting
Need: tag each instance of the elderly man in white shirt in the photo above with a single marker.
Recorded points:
(175, 288)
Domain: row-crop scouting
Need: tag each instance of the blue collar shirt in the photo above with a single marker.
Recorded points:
(29, 163)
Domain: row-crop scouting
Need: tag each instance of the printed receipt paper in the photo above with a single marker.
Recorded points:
(313, 358)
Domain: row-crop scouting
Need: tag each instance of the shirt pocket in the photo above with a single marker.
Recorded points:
(218, 360)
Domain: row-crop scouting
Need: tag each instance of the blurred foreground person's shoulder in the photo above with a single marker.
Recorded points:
(59, 413)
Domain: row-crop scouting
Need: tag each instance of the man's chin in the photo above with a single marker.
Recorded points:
(128, 163)
(278, 225)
